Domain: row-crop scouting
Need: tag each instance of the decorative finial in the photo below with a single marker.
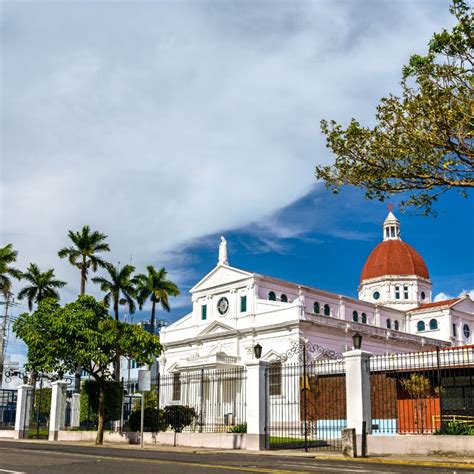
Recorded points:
(390, 207)
(223, 252)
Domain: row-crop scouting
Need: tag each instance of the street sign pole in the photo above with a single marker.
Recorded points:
(144, 385)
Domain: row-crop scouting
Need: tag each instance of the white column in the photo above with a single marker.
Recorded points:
(58, 409)
(23, 409)
(256, 398)
(358, 389)
(76, 410)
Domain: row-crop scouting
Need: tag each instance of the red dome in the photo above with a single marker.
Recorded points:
(394, 257)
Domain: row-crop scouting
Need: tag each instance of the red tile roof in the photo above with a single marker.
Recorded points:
(436, 303)
(394, 257)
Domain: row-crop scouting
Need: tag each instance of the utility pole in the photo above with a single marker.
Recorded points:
(3, 336)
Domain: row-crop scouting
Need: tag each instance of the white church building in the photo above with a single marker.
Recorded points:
(234, 310)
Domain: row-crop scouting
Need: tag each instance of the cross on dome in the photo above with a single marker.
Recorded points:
(391, 227)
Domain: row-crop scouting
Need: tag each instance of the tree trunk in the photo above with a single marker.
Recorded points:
(152, 322)
(100, 426)
(83, 283)
(117, 360)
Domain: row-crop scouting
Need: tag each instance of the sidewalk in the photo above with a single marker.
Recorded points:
(450, 461)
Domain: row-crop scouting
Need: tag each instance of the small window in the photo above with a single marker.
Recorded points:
(327, 310)
(405, 292)
(204, 312)
(243, 304)
(466, 330)
(420, 326)
(364, 318)
(284, 298)
(316, 307)
(455, 330)
(392, 231)
(387, 232)
(355, 316)
(176, 386)
(376, 295)
(423, 296)
(396, 325)
(433, 324)
(274, 379)
(389, 324)
(397, 292)
(272, 296)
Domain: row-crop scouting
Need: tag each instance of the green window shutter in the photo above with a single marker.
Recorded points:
(243, 304)
(204, 311)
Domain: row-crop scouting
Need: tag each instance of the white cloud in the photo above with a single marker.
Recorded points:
(159, 123)
(444, 296)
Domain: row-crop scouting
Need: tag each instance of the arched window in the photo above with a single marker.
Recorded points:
(467, 331)
(423, 296)
(364, 318)
(355, 316)
(396, 325)
(284, 298)
(316, 307)
(389, 324)
(433, 324)
(272, 296)
(327, 310)
(420, 326)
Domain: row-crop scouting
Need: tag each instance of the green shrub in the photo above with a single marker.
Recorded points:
(90, 395)
(179, 416)
(153, 420)
(455, 428)
(242, 428)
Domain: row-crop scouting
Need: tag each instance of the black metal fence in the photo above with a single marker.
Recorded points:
(216, 398)
(37, 413)
(7, 409)
(306, 405)
(423, 392)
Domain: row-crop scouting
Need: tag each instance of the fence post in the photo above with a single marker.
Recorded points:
(76, 410)
(23, 410)
(358, 403)
(58, 409)
(256, 399)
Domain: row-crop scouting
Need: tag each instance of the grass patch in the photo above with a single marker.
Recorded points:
(290, 442)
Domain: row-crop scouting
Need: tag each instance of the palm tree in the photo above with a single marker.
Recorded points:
(118, 288)
(43, 285)
(156, 287)
(7, 257)
(83, 254)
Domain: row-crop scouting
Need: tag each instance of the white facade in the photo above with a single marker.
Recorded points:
(233, 310)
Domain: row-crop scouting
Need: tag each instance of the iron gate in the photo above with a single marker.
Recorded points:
(38, 403)
(306, 406)
(7, 409)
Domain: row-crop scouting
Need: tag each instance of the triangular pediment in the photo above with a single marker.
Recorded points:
(271, 356)
(215, 328)
(221, 275)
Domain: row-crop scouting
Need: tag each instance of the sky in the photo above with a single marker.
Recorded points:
(167, 124)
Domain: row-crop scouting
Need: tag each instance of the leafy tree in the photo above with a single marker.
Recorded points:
(156, 287)
(42, 285)
(422, 143)
(83, 254)
(82, 333)
(90, 401)
(7, 257)
(179, 416)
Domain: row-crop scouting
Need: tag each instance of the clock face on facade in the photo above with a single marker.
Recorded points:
(223, 306)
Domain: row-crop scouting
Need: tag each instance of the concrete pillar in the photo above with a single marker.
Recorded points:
(257, 399)
(76, 410)
(24, 401)
(58, 409)
(358, 390)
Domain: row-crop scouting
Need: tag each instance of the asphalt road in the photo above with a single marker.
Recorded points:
(49, 458)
